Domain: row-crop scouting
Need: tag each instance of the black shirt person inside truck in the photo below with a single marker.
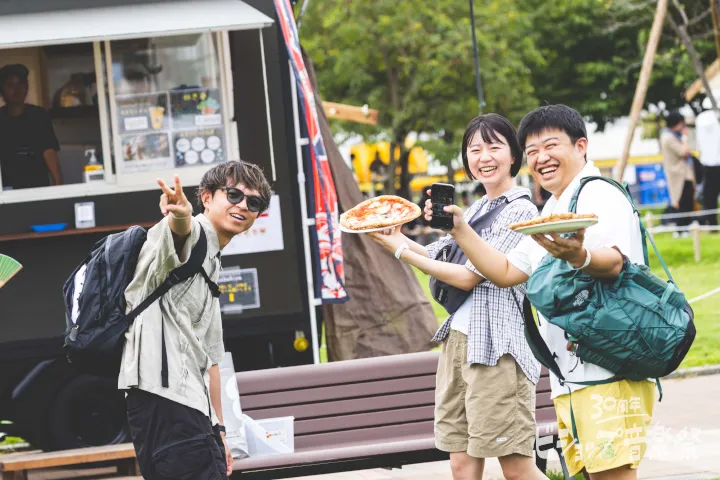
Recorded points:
(28, 146)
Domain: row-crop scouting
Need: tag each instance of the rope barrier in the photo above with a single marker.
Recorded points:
(699, 213)
(704, 296)
(667, 229)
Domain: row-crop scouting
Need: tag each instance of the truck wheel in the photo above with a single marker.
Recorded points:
(88, 411)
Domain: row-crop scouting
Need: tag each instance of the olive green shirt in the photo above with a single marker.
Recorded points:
(193, 325)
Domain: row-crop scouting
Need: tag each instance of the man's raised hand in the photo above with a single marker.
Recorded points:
(174, 201)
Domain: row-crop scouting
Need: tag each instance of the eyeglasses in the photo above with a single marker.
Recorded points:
(235, 196)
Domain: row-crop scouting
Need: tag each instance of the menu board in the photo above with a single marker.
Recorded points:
(164, 130)
(193, 147)
(146, 152)
(238, 289)
(196, 107)
(142, 113)
(144, 124)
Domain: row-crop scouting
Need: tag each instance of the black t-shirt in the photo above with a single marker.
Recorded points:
(23, 139)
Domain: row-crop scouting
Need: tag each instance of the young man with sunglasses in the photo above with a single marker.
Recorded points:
(176, 419)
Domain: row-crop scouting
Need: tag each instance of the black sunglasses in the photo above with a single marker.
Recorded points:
(235, 196)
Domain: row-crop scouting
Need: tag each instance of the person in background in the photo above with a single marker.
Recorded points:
(28, 146)
(540, 195)
(707, 128)
(418, 230)
(478, 193)
(465, 200)
(679, 168)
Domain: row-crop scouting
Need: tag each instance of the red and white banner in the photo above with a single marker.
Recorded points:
(327, 227)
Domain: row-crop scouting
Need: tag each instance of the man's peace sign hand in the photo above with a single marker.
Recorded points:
(174, 201)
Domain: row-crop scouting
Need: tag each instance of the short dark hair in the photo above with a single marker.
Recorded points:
(233, 173)
(552, 117)
(489, 125)
(13, 70)
(673, 119)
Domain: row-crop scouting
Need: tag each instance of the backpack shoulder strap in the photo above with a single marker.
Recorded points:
(643, 231)
(534, 338)
(192, 267)
(180, 274)
(483, 221)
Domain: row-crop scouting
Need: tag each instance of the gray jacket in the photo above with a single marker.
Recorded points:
(193, 325)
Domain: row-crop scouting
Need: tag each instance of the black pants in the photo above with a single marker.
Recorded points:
(686, 204)
(711, 190)
(172, 441)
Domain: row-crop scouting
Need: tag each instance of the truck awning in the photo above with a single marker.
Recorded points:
(37, 23)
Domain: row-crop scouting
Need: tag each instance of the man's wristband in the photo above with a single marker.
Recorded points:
(221, 428)
(588, 258)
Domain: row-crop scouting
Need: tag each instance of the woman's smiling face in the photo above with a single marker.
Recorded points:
(489, 160)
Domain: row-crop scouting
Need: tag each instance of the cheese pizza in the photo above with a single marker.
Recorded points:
(553, 217)
(379, 212)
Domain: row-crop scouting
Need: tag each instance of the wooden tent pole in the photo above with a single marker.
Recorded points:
(643, 82)
(715, 6)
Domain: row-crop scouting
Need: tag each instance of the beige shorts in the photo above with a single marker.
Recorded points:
(485, 411)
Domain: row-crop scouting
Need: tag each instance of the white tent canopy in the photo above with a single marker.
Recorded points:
(31, 23)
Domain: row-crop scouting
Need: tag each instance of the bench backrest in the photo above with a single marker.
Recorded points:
(354, 401)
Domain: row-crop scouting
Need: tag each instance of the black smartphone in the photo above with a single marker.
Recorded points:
(441, 196)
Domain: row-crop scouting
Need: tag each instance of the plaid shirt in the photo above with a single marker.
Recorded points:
(496, 323)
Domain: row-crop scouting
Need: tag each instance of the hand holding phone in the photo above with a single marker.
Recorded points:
(441, 196)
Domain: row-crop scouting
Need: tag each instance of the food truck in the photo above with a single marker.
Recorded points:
(135, 90)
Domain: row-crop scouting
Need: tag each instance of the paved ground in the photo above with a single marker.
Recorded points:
(684, 443)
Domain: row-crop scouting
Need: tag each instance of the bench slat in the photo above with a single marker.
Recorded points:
(336, 453)
(363, 420)
(67, 457)
(341, 407)
(350, 371)
(543, 385)
(363, 436)
(340, 392)
(543, 400)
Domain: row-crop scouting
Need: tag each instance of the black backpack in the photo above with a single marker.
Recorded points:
(451, 298)
(95, 300)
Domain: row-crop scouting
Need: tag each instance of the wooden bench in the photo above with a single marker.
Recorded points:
(352, 415)
(359, 414)
(16, 466)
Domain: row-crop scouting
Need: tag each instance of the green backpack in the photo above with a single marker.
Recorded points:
(638, 326)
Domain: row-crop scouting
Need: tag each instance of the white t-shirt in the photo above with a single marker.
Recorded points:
(461, 317)
(707, 130)
(617, 227)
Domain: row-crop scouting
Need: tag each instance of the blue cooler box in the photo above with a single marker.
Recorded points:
(651, 185)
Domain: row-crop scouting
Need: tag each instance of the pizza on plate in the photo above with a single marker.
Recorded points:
(379, 212)
(553, 217)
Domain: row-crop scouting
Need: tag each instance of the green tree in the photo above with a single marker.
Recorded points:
(591, 53)
(413, 61)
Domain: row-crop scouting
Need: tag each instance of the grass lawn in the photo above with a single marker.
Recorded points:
(694, 279)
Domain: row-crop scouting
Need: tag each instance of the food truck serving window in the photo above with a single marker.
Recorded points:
(117, 101)
(169, 103)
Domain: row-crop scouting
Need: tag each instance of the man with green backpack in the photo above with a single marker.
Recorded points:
(607, 325)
